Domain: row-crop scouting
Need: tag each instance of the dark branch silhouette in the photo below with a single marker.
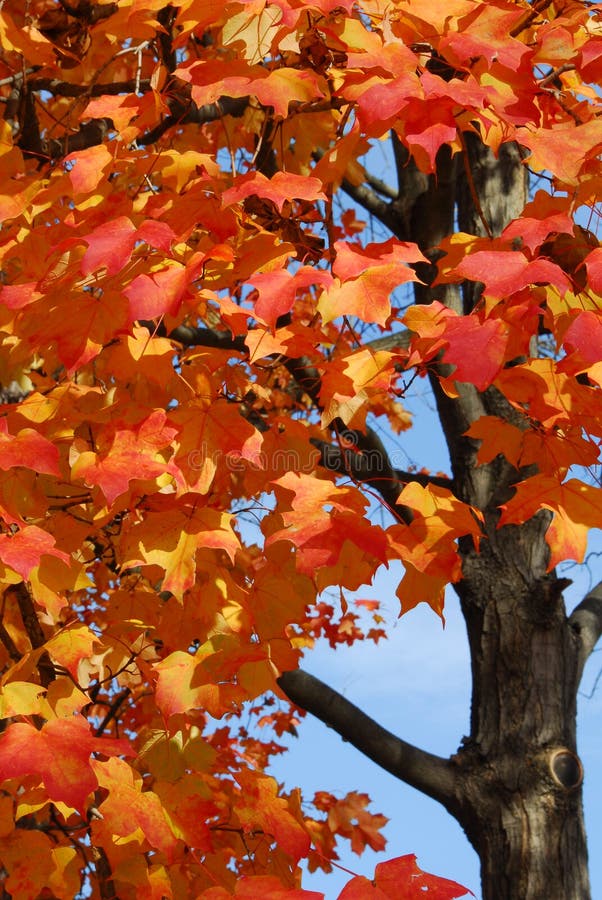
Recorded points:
(424, 771)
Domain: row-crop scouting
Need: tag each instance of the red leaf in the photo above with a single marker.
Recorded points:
(110, 245)
(277, 291)
(505, 272)
(402, 879)
(281, 188)
(60, 755)
(29, 449)
(131, 453)
(593, 263)
(475, 345)
(583, 342)
(23, 551)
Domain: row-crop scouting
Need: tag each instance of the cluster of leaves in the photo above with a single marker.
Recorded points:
(182, 322)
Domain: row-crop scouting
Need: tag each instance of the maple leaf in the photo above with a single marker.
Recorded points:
(162, 292)
(561, 148)
(267, 887)
(127, 807)
(352, 382)
(23, 550)
(28, 448)
(110, 245)
(263, 809)
(541, 217)
(276, 291)
(71, 647)
(170, 534)
(506, 272)
(319, 534)
(210, 80)
(583, 342)
(474, 345)
(59, 754)
(87, 167)
(576, 506)
(281, 188)
(28, 860)
(593, 263)
(350, 818)
(402, 879)
(128, 455)
(183, 684)
(366, 278)
(427, 547)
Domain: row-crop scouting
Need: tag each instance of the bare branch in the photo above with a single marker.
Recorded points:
(89, 135)
(424, 771)
(192, 336)
(586, 622)
(369, 200)
(67, 89)
(381, 187)
(362, 457)
(33, 629)
(199, 115)
(393, 341)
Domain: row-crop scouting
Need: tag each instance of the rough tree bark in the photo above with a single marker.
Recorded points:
(515, 783)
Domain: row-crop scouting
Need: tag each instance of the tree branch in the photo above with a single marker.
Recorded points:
(369, 200)
(424, 771)
(33, 629)
(586, 622)
(381, 187)
(67, 89)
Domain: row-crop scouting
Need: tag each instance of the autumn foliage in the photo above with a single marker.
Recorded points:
(191, 320)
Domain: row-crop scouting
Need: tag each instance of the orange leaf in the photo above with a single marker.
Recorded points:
(264, 810)
(110, 245)
(86, 168)
(367, 276)
(129, 454)
(128, 807)
(211, 80)
(563, 148)
(59, 754)
(170, 535)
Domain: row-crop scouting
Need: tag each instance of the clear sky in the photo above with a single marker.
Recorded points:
(417, 685)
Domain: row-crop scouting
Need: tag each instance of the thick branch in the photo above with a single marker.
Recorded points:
(586, 622)
(367, 466)
(430, 774)
(191, 336)
(67, 89)
(393, 341)
(362, 457)
(33, 629)
(369, 200)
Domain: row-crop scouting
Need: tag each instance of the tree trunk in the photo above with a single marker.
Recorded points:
(520, 796)
(520, 787)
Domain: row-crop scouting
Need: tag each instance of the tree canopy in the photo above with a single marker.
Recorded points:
(206, 337)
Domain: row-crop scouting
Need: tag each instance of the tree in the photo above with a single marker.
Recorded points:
(206, 341)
